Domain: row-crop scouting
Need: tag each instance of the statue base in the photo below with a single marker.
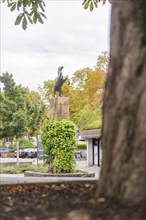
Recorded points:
(59, 108)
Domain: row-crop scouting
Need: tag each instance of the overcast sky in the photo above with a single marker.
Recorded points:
(71, 36)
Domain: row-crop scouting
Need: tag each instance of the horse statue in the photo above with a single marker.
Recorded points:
(60, 81)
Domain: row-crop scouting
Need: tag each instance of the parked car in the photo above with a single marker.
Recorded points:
(32, 153)
(26, 153)
(15, 153)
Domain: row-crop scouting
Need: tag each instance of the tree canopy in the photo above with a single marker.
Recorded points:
(21, 110)
(33, 11)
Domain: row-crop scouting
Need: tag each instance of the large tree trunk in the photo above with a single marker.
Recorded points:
(123, 167)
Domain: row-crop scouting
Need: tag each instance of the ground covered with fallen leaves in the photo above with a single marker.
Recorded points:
(68, 201)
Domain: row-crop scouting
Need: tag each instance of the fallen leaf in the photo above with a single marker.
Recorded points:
(101, 199)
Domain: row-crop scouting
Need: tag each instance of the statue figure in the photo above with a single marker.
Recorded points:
(59, 81)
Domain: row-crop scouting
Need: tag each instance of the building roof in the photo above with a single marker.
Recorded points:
(92, 133)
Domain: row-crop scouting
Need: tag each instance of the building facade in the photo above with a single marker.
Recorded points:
(94, 151)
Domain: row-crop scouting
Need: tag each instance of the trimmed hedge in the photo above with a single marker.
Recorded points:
(59, 144)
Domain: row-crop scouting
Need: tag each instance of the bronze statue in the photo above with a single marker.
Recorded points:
(59, 81)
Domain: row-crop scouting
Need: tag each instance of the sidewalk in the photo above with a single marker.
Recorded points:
(82, 166)
(12, 179)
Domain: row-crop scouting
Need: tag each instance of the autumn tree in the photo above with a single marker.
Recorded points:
(103, 62)
(94, 88)
(80, 77)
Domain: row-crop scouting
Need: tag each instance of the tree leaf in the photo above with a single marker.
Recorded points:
(40, 4)
(43, 15)
(25, 3)
(29, 18)
(39, 18)
(95, 3)
(31, 13)
(19, 3)
(91, 6)
(35, 17)
(19, 18)
(103, 1)
(13, 7)
(101, 199)
(86, 4)
(24, 23)
(10, 4)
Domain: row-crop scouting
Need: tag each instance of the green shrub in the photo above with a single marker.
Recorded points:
(3, 146)
(59, 144)
(24, 143)
(23, 167)
(12, 149)
(81, 146)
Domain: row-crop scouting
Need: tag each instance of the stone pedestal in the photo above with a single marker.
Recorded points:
(59, 108)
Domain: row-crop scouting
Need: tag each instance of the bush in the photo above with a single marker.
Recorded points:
(59, 144)
(81, 146)
(24, 143)
(12, 149)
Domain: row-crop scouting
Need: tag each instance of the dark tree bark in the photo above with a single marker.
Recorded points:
(123, 168)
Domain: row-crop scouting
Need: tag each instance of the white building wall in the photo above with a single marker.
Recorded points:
(89, 152)
(100, 152)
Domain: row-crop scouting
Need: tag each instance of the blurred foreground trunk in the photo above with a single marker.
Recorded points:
(123, 165)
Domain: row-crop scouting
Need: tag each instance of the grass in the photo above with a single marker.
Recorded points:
(22, 168)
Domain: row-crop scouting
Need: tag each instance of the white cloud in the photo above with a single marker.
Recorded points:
(71, 36)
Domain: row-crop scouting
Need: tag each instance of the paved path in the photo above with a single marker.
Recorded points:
(7, 179)
(82, 166)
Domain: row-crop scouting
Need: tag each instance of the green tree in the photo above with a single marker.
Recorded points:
(13, 117)
(7, 108)
(9, 84)
(87, 118)
(35, 113)
(12, 109)
(21, 110)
